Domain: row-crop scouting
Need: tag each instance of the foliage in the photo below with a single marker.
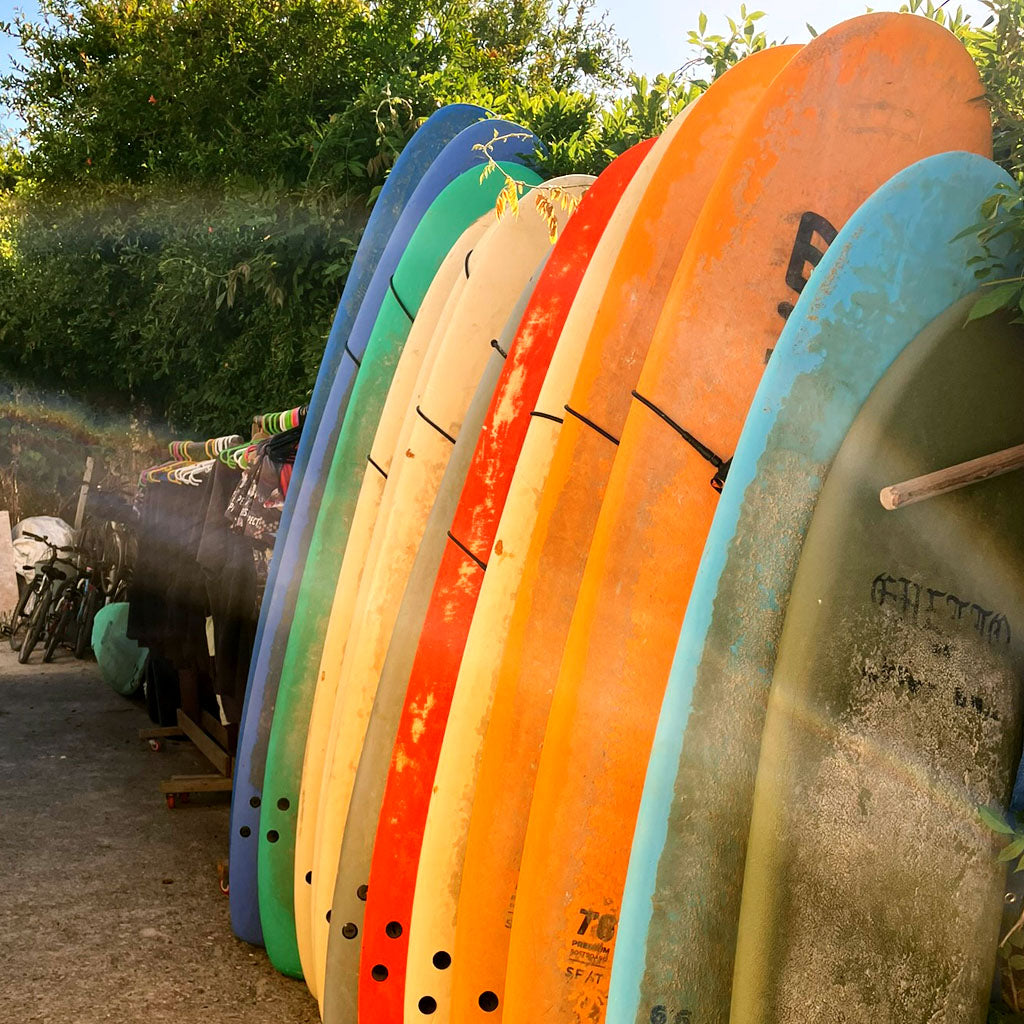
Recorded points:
(1011, 945)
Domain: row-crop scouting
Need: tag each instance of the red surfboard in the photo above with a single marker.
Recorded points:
(421, 729)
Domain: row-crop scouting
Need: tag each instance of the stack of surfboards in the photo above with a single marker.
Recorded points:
(593, 681)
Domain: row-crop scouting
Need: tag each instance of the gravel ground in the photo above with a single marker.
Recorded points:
(109, 902)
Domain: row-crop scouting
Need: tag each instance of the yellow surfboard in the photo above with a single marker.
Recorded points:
(442, 295)
(499, 267)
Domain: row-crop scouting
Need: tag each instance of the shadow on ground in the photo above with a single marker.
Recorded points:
(110, 908)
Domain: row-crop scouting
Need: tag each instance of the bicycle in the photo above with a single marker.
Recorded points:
(37, 591)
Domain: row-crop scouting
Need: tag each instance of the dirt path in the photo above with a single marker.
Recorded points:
(109, 903)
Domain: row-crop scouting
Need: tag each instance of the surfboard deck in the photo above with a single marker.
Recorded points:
(889, 272)
(798, 172)
(895, 709)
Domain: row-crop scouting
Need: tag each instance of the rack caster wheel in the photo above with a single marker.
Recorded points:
(156, 746)
(183, 798)
(171, 801)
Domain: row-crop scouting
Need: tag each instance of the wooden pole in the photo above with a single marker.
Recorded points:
(943, 481)
(83, 494)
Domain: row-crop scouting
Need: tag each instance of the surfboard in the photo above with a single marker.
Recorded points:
(327, 405)
(564, 511)
(286, 766)
(424, 338)
(504, 457)
(499, 267)
(461, 202)
(304, 502)
(889, 272)
(428, 557)
(801, 167)
(895, 709)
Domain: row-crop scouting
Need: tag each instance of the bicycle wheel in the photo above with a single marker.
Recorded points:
(83, 636)
(22, 613)
(64, 615)
(36, 625)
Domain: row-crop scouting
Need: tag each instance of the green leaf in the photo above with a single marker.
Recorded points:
(812, 30)
(994, 821)
(1013, 850)
(702, 23)
(996, 298)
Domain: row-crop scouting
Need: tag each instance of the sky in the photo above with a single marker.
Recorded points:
(656, 29)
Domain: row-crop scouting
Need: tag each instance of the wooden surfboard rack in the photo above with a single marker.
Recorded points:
(211, 739)
(942, 481)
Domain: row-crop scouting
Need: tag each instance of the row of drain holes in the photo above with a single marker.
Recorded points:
(488, 1001)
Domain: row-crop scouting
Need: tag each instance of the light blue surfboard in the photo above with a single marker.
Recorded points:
(291, 551)
(892, 269)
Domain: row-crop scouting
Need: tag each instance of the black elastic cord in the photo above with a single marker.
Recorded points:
(591, 424)
(501, 352)
(355, 359)
(398, 298)
(547, 416)
(440, 430)
(369, 459)
(462, 547)
(468, 254)
(722, 465)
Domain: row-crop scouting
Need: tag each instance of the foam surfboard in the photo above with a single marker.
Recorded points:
(461, 202)
(327, 405)
(347, 344)
(799, 170)
(889, 272)
(895, 709)
(639, 278)
(428, 558)
(424, 337)
(499, 267)
(294, 716)
(505, 464)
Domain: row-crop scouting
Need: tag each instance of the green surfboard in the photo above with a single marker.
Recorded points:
(872, 892)
(457, 206)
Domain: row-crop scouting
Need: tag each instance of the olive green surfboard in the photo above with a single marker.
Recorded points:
(872, 892)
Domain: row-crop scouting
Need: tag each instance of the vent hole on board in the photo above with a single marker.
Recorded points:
(309, 878)
(442, 960)
(328, 915)
(361, 893)
(272, 836)
(254, 801)
(393, 930)
(283, 804)
(427, 1004)
(245, 831)
(379, 972)
(488, 1002)
(349, 931)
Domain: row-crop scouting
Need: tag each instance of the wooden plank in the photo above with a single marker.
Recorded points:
(196, 784)
(214, 728)
(8, 577)
(943, 481)
(217, 756)
(160, 732)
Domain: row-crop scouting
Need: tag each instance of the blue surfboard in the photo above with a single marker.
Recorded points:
(892, 269)
(290, 554)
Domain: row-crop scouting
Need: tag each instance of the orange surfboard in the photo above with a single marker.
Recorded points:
(622, 329)
(854, 107)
